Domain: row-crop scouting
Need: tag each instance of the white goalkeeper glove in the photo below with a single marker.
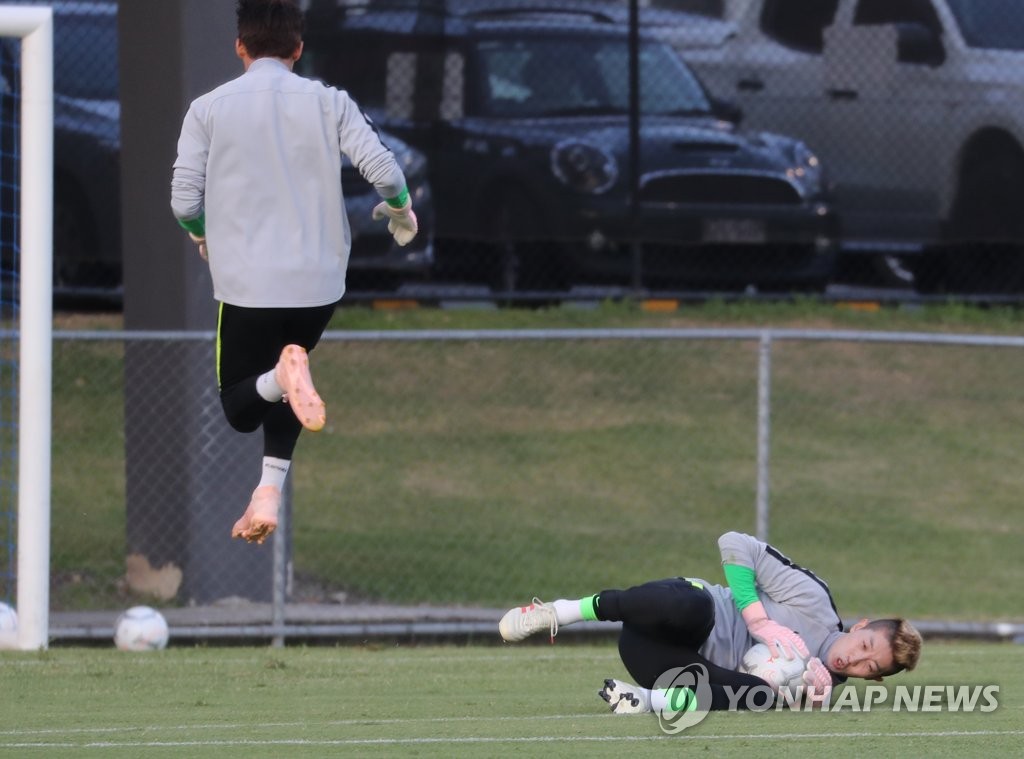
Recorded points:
(204, 253)
(401, 221)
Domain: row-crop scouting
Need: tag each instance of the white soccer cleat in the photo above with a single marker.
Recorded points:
(523, 621)
(625, 698)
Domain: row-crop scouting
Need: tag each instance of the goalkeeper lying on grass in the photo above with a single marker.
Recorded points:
(682, 622)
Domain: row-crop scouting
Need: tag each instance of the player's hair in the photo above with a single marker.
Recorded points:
(269, 28)
(904, 640)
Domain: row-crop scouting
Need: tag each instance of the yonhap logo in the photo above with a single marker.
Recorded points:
(687, 695)
(681, 698)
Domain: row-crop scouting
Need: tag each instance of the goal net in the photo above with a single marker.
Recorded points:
(26, 181)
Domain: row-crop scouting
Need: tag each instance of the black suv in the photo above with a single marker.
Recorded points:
(524, 116)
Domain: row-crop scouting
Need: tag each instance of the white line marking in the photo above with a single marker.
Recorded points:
(497, 740)
(366, 722)
(150, 658)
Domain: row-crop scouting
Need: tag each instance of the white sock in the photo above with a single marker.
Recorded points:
(267, 387)
(658, 699)
(274, 472)
(669, 699)
(567, 612)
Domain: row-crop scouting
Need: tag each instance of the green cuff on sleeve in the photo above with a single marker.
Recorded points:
(588, 608)
(196, 226)
(400, 200)
(743, 583)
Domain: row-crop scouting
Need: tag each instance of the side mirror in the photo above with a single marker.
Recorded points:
(916, 43)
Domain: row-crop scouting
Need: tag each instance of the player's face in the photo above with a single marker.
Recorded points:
(863, 652)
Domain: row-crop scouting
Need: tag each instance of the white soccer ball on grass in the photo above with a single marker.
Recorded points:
(8, 627)
(777, 671)
(141, 628)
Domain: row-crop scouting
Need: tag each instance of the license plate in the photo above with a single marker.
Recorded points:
(734, 230)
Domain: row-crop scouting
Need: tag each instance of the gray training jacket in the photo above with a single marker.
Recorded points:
(261, 155)
(792, 596)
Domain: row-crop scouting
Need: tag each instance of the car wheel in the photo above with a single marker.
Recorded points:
(893, 271)
(523, 256)
(931, 270)
(800, 256)
(987, 216)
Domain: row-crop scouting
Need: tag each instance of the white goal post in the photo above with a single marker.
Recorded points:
(34, 25)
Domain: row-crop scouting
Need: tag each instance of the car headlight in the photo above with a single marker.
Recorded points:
(806, 165)
(584, 167)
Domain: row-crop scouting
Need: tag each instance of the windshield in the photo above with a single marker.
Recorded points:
(993, 24)
(548, 77)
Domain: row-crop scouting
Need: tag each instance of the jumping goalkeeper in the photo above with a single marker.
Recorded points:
(681, 622)
(257, 185)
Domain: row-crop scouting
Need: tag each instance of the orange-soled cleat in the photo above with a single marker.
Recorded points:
(292, 374)
(260, 518)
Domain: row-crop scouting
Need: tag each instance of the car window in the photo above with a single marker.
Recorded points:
(992, 24)
(524, 78)
(876, 12)
(712, 8)
(666, 84)
(531, 78)
(798, 24)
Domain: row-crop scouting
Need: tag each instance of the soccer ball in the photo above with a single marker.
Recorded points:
(141, 628)
(776, 671)
(8, 626)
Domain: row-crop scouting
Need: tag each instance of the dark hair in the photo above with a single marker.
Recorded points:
(269, 28)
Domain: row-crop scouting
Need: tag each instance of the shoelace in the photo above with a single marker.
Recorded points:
(538, 604)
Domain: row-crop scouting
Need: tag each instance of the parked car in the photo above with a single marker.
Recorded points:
(87, 187)
(523, 115)
(86, 114)
(376, 261)
(916, 107)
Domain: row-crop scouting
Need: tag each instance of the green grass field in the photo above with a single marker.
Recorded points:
(896, 476)
(449, 701)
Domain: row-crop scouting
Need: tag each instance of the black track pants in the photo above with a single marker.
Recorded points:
(664, 623)
(249, 343)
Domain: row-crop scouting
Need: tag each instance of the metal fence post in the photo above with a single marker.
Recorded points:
(764, 382)
(279, 587)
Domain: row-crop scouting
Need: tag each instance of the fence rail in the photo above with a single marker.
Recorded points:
(463, 470)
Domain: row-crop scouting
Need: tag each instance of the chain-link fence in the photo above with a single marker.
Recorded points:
(732, 144)
(562, 151)
(478, 469)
